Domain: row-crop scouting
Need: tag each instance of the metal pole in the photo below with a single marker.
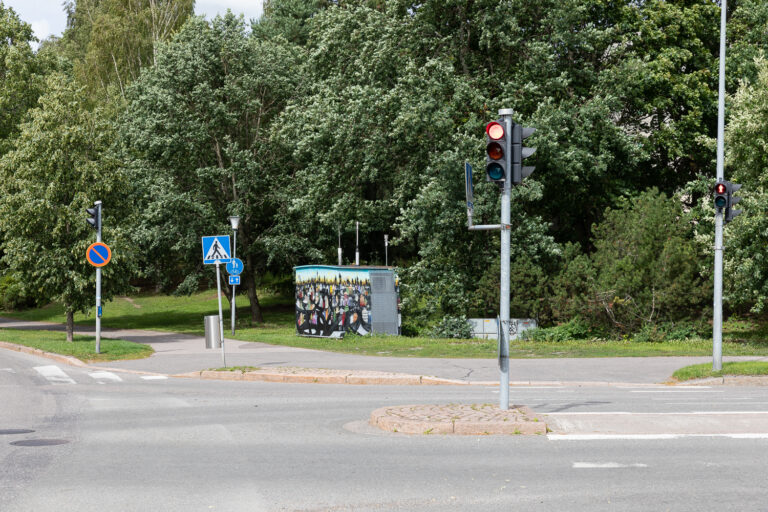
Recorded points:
(234, 286)
(717, 317)
(339, 231)
(386, 247)
(505, 263)
(357, 243)
(98, 284)
(221, 314)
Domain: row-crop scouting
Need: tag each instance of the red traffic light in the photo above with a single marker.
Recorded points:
(720, 188)
(494, 130)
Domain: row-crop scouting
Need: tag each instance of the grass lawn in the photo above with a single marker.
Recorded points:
(702, 371)
(185, 315)
(83, 347)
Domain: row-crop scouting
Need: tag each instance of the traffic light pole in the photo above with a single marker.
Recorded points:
(717, 317)
(98, 283)
(506, 220)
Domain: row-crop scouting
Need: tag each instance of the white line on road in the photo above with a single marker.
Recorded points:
(105, 376)
(9, 370)
(54, 374)
(606, 465)
(650, 413)
(644, 437)
(677, 391)
(154, 377)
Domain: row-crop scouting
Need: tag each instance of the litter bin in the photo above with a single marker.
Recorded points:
(212, 332)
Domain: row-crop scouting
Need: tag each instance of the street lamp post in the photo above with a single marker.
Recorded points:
(235, 221)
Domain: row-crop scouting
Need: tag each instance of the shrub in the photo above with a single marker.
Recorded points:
(575, 329)
(452, 327)
(12, 294)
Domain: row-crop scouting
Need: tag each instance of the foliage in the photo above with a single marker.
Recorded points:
(452, 327)
(54, 171)
(575, 329)
(12, 293)
(195, 137)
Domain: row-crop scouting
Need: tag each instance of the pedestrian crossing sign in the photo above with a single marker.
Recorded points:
(216, 249)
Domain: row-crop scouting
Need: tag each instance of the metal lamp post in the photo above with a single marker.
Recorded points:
(235, 222)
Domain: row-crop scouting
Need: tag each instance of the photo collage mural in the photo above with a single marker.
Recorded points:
(331, 301)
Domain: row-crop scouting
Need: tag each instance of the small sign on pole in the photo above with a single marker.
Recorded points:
(234, 280)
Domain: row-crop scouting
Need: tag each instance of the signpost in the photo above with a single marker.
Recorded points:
(216, 250)
(98, 254)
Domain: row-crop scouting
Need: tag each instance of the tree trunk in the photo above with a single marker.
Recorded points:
(256, 317)
(70, 325)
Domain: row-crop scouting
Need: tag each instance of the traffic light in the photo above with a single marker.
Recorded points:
(497, 151)
(94, 219)
(721, 194)
(731, 213)
(519, 134)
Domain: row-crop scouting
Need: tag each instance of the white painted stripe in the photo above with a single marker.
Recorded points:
(105, 376)
(689, 391)
(154, 377)
(606, 465)
(645, 437)
(9, 370)
(619, 413)
(54, 374)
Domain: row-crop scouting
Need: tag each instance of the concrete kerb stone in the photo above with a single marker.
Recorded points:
(68, 360)
(459, 419)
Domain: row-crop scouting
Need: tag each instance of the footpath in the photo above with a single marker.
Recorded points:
(182, 355)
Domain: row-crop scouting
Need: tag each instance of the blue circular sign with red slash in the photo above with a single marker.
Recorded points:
(98, 254)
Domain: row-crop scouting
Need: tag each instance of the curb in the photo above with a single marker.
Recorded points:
(69, 360)
(456, 419)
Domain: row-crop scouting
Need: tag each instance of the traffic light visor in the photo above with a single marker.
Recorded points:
(494, 130)
(495, 151)
(495, 171)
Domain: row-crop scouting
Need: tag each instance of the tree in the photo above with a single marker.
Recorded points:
(110, 41)
(196, 138)
(56, 168)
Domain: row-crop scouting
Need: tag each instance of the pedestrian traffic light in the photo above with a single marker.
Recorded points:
(721, 194)
(94, 219)
(519, 152)
(497, 152)
(730, 212)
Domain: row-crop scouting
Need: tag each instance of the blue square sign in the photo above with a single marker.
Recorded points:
(234, 280)
(216, 249)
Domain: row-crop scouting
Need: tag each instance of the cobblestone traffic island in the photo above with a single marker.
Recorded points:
(466, 419)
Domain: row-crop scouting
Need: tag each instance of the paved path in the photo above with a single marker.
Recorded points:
(182, 353)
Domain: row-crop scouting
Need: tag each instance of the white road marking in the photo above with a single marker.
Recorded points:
(9, 370)
(612, 413)
(606, 465)
(54, 374)
(677, 391)
(154, 377)
(105, 376)
(644, 437)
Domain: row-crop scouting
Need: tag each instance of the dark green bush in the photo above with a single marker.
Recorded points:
(12, 295)
(452, 327)
(575, 329)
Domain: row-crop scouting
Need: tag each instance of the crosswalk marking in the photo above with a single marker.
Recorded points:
(154, 377)
(54, 374)
(105, 376)
(9, 370)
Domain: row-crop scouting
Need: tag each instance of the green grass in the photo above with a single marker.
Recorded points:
(185, 315)
(702, 371)
(83, 347)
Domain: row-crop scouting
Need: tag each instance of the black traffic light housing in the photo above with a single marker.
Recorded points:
(721, 194)
(94, 216)
(519, 152)
(497, 152)
(730, 212)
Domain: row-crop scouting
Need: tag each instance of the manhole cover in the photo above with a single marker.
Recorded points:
(9, 431)
(39, 442)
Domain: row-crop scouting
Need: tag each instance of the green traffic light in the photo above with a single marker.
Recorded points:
(495, 171)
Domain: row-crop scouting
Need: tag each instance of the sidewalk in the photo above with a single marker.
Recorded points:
(185, 354)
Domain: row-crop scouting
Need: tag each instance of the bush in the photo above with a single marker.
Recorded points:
(575, 329)
(12, 294)
(452, 327)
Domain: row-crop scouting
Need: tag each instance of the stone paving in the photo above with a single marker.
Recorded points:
(474, 419)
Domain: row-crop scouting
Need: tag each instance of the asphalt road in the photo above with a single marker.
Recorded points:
(128, 443)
